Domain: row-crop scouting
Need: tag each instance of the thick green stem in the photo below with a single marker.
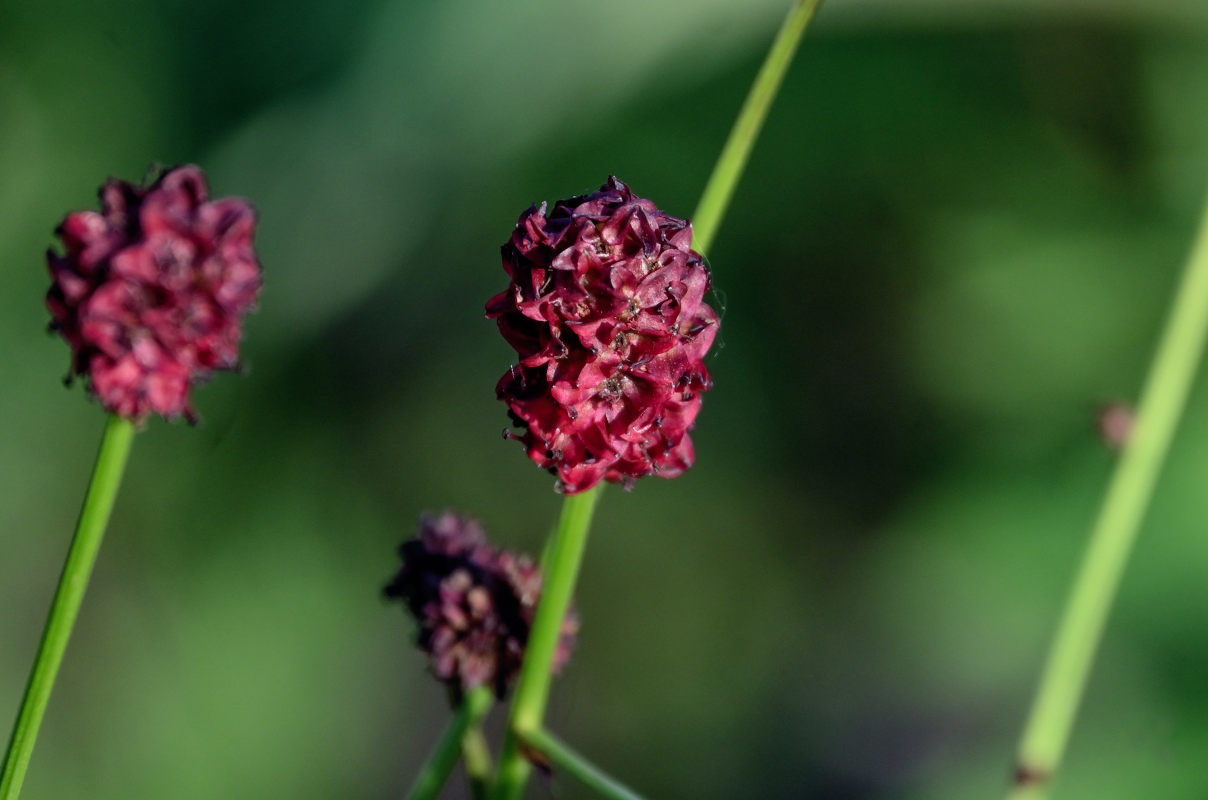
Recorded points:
(733, 159)
(1077, 638)
(435, 773)
(563, 558)
(588, 774)
(81, 556)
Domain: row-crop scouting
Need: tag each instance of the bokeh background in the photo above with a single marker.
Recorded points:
(956, 239)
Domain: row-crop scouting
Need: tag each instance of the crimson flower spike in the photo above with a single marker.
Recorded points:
(606, 311)
(151, 291)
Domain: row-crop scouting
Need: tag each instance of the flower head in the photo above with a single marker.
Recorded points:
(151, 291)
(606, 311)
(474, 604)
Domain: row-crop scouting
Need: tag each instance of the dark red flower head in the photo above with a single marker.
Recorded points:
(606, 310)
(151, 292)
(474, 604)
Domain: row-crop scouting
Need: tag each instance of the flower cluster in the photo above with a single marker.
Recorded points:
(606, 311)
(474, 604)
(151, 292)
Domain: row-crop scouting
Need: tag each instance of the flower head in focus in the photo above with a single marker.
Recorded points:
(606, 311)
(474, 604)
(152, 290)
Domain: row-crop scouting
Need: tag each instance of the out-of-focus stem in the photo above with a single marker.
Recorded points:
(436, 770)
(476, 755)
(561, 755)
(1077, 638)
(77, 569)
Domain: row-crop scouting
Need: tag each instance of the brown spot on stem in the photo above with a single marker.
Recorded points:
(1026, 775)
(537, 758)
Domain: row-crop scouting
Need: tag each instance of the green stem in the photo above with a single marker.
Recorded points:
(477, 757)
(439, 765)
(81, 556)
(1077, 638)
(716, 198)
(587, 773)
(563, 557)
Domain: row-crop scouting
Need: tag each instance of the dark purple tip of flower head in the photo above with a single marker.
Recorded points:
(606, 311)
(151, 292)
(474, 604)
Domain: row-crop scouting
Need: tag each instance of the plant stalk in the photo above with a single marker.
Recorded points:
(476, 755)
(564, 556)
(1073, 649)
(436, 770)
(560, 754)
(733, 159)
(81, 556)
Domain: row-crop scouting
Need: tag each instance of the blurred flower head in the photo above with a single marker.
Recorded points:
(606, 311)
(151, 291)
(474, 604)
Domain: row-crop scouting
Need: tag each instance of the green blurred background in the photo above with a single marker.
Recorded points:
(956, 238)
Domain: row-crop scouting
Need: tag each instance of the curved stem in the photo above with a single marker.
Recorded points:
(588, 774)
(435, 773)
(563, 557)
(81, 556)
(1077, 638)
(733, 159)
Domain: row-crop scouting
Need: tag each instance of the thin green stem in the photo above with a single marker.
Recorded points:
(588, 774)
(733, 159)
(1073, 650)
(563, 558)
(477, 757)
(81, 556)
(436, 770)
